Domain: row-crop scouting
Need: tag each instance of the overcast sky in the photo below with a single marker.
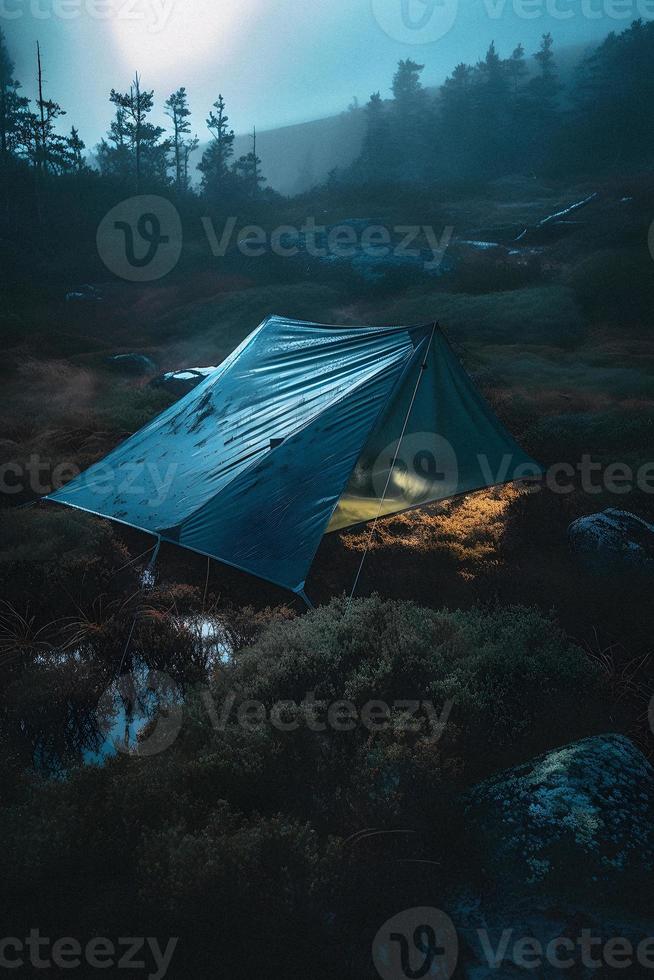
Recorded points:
(275, 61)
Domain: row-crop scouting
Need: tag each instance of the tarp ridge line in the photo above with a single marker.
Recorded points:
(342, 396)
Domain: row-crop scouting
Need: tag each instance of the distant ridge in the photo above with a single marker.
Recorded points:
(296, 158)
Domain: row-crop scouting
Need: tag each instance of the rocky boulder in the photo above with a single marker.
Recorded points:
(613, 536)
(578, 821)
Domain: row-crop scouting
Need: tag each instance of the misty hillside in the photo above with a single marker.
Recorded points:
(295, 158)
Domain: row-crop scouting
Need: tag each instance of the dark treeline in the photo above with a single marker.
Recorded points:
(135, 152)
(499, 116)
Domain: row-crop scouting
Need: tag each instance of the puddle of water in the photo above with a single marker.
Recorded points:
(130, 704)
(127, 709)
(213, 637)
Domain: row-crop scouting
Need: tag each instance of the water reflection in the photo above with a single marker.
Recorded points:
(84, 705)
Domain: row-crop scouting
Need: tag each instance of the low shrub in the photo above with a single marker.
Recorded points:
(253, 832)
(615, 284)
(535, 315)
(49, 552)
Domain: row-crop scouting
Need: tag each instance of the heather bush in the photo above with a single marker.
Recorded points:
(531, 315)
(49, 552)
(254, 832)
(615, 285)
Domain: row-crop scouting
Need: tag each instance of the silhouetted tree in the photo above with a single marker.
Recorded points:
(115, 154)
(457, 121)
(613, 95)
(492, 106)
(177, 110)
(545, 87)
(75, 151)
(516, 69)
(13, 108)
(45, 147)
(149, 151)
(248, 170)
(541, 107)
(410, 124)
(214, 165)
(407, 87)
(375, 151)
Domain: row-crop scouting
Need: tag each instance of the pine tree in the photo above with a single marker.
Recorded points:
(188, 147)
(248, 170)
(45, 147)
(516, 70)
(177, 110)
(614, 89)
(518, 135)
(13, 108)
(409, 122)
(542, 100)
(75, 150)
(545, 87)
(492, 84)
(375, 152)
(457, 121)
(214, 165)
(493, 113)
(407, 87)
(548, 80)
(149, 151)
(115, 155)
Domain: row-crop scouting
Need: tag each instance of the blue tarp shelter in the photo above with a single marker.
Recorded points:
(303, 429)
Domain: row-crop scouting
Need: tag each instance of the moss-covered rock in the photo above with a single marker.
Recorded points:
(578, 820)
(614, 536)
